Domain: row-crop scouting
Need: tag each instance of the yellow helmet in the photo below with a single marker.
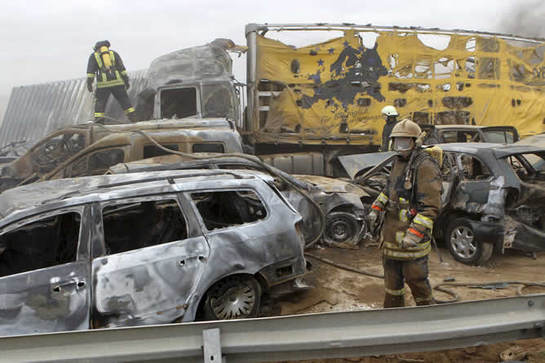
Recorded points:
(406, 128)
(389, 111)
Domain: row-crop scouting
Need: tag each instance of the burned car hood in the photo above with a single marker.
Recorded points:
(355, 164)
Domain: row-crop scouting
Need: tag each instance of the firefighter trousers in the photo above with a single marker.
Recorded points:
(414, 273)
(120, 94)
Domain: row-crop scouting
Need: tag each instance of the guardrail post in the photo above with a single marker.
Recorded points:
(212, 346)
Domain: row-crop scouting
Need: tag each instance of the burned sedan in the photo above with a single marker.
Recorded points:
(143, 248)
(492, 199)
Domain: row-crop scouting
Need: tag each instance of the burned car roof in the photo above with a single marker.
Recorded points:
(499, 150)
(41, 196)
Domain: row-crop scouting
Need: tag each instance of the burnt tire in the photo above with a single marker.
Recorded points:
(234, 297)
(341, 227)
(463, 245)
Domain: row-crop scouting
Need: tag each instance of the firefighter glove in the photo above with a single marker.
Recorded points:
(410, 241)
(90, 85)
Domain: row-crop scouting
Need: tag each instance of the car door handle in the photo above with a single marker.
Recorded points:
(63, 285)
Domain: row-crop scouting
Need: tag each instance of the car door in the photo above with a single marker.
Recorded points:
(45, 272)
(151, 262)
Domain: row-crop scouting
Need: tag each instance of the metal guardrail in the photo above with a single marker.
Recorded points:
(326, 335)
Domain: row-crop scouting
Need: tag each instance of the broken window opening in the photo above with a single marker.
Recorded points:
(470, 67)
(435, 41)
(461, 136)
(422, 68)
(151, 150)
(443, 68)
(101, 161)
(131, 226)
(178, 102)
(208, 148)
(470, 44)
(218, 101)
(228, 208)
(368, 39)
(393, 59)
(445, 87)
(519, 72)
(299, 39)
(489, 68)
(44, 243)
(423, 87)
(473, 169)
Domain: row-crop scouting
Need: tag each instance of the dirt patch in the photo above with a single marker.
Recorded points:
(335, 289)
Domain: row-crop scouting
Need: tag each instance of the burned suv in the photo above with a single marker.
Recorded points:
(143, 248)
(492, 199)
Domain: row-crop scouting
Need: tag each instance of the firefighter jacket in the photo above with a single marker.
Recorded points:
(108, 75)
(411, 202)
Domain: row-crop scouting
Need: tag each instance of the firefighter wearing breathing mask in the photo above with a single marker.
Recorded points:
(408, 206)
(112, 78)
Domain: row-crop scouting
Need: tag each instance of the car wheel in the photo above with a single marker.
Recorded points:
(235, 297)
(341, 227)
(464, 247)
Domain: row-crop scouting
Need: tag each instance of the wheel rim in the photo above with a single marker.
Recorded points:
(233, 301)
(340, 229)
(463, 242)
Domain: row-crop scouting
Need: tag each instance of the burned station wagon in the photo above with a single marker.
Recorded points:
(143, 248)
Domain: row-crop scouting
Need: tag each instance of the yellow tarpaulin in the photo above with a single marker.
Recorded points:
(336, 89)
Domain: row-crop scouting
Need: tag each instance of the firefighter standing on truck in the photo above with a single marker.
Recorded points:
(409, 205)
(112, 78)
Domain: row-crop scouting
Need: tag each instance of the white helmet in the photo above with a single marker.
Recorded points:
(389, 111)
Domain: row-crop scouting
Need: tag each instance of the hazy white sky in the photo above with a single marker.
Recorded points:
(47, 40)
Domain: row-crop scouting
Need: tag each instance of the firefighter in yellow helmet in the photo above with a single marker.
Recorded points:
(409, 204)
(112, 78)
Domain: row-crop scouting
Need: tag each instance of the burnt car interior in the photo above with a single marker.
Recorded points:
(96, 163)
(228, 208)
(473, 169)
(47, 242)
(142, 224)
(56, 150)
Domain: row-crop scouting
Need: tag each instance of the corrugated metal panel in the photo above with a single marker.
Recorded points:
(37, 110)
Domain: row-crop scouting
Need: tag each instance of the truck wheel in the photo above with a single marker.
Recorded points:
(341, 227)
(463, 246)
(234, 297)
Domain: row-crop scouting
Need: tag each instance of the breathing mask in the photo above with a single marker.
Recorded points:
(402, 144)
